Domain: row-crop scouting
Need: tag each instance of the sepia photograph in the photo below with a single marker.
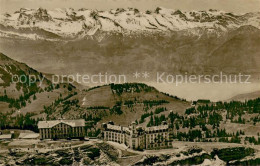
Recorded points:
(129, 82)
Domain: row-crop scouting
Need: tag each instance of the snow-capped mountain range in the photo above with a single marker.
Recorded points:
(72, 24)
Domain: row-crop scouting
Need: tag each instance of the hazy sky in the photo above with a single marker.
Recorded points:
(238, 6)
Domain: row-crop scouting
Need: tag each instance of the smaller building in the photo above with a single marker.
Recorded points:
(62, 129)
(5, 136)
(28, 136)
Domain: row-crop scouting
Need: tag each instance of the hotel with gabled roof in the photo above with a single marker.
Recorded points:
(62, 129)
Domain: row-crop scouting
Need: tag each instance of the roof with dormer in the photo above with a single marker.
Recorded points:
(114, 127)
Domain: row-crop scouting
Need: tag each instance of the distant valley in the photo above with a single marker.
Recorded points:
(119, 41)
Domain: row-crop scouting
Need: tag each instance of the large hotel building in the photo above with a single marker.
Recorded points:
(62, 129)
(138, 137)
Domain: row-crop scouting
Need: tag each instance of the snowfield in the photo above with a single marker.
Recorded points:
(70, 23)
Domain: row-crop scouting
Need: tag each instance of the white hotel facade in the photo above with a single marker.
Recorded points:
(136, 137)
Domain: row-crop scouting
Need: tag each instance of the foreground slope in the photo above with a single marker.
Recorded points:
(122, 103)
(24, 89)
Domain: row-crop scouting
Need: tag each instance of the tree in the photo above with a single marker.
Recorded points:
(177, 126)
(34, 97)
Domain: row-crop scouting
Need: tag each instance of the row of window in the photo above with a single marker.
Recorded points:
(156, 131)
(157, 145)
(50, 133)
(149, 139)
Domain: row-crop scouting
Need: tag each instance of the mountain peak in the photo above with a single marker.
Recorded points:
(24, 10)
(70, 23)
